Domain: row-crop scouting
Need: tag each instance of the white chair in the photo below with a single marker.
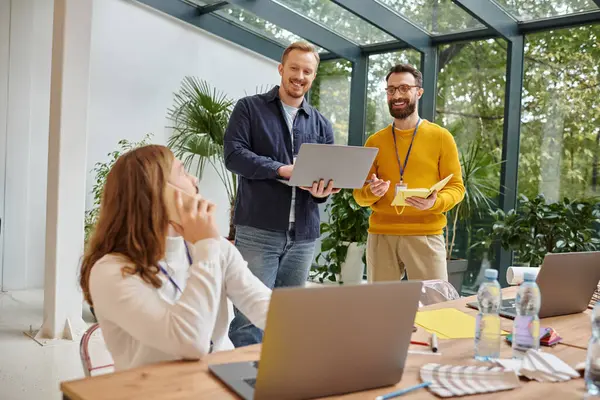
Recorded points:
(437, 291)
(94, 335)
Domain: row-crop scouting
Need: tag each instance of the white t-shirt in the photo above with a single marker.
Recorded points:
(143, 325)
(290, 114)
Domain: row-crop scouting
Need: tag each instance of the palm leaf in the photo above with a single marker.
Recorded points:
(479, 173)
(200, 115)
(479, 179)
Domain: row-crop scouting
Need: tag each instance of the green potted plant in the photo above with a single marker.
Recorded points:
(536, 228)
(342, 256)
(200, 115)
(479, 173)
(101, 170)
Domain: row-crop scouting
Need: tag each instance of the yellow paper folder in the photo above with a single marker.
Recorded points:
(400, 199)
(448, 323)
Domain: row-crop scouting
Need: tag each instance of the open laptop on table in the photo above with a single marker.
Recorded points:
(329, 340)
(567, 282)
(347, 166)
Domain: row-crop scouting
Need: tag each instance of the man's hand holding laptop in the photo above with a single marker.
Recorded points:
(319, 190)
(285, 171)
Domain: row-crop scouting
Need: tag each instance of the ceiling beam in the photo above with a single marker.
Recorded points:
(597, 3)
(218, 26)
(301, 26)
(565, 21)
(492, 15)
(437, 40)
(328, 56)
(562, 22)
(388, 21)
(213, 7)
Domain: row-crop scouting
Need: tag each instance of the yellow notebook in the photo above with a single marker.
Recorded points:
(400, 199)
(448, 323)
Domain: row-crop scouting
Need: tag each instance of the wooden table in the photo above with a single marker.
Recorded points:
(192, 380)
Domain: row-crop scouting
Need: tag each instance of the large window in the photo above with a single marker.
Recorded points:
(338, 20)
(378, 115)
(260, 26)
(470, 104)
(560, 126)
(330, 94)
(435, 16)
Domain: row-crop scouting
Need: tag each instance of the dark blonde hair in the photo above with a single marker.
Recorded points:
(302, 46)
(133, 220)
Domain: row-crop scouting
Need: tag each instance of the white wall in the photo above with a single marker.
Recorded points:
(138, 60)
(4, 46)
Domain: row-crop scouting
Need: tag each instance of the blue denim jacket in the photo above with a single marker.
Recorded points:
(257, 142)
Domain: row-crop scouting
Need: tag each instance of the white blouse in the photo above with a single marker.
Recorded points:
(143, 325)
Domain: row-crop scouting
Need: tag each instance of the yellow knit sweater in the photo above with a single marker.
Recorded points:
(433, 157)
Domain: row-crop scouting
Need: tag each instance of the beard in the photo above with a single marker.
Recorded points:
(403, 113)
(296, 91)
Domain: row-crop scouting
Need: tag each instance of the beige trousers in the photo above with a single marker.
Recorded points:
(390, 256)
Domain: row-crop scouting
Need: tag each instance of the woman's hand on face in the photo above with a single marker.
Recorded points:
(197, 218)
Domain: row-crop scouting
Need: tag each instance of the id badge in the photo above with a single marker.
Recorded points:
(399, 187)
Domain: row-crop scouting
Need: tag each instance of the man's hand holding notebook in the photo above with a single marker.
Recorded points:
(405, 193)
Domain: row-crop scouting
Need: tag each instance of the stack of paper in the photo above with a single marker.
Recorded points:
(539, 366)
(460, 380)
(448, 323)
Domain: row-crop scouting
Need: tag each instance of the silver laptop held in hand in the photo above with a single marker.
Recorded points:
(347, 166)
(329, 340)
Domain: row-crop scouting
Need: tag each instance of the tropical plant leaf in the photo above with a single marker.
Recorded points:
(199, 117)
(348, 222)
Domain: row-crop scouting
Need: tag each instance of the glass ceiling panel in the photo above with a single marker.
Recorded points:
(340, 21)
(527, 10)
(435, 16)
(260, 26)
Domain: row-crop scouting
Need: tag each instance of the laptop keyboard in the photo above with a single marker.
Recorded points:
(251, 382)
(508, 304)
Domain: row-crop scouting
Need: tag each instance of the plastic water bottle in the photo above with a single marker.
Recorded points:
(526, 326)
(487, 326)
(592, 365)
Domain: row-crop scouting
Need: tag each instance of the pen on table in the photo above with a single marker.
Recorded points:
(434, 343)
(419, 343)
(402, 391)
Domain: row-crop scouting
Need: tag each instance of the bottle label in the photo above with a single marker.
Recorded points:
(526, 333)
(487, 336)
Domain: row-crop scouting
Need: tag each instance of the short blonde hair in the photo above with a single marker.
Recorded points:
(302, 46)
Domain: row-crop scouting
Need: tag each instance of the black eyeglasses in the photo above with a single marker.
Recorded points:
(390, 90)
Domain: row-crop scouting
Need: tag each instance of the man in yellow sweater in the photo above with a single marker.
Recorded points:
(413, 153)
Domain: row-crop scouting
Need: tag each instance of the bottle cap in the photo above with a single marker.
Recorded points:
(491, 273)
(529, 276)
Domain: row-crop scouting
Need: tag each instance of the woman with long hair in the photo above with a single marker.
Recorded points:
(160, 289)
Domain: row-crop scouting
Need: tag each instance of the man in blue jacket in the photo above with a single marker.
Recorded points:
(276, 225)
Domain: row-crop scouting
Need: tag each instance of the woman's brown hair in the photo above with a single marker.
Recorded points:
(133, 221)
